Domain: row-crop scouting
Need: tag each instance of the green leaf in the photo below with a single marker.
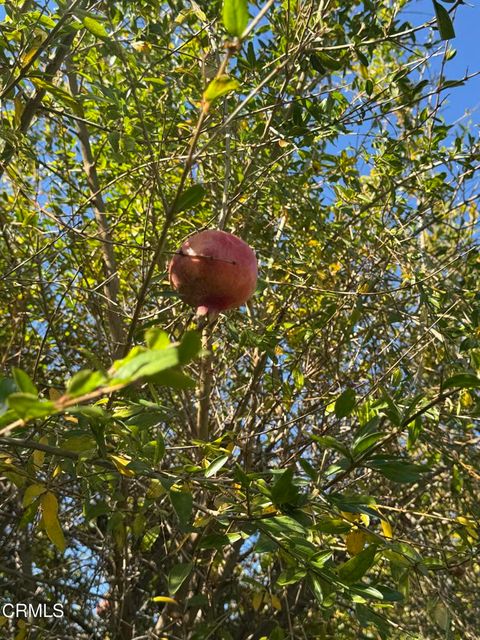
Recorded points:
(156, 338)
(190, 198)
(214, 541)
(219, 87)
(397, 470)
(265, 544)
(89, 411)
(282, 526)
(177, 576)
(284, 491)
(444, 22)
(332, 525)
(345, 403)
(366, 591)
(149, 538)
(235, 16)
(355, 568)
(463, 381)
(85, 381)
(316, 63)
(291, 576)
(354, 503)
(7, 386)
(368, 617)
(189, 347)
(173, 378)
(388, 594)
(366, 441)
(215, 466)
(95, 27)
(147, 364)
(309, 470)
(57, 92)
(27, 406)
(327, 61)
(24, 382)
(316, 587)
(79, 443)
(329, 442)
(182, 502)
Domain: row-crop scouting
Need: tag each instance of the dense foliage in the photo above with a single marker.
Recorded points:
(307, 466)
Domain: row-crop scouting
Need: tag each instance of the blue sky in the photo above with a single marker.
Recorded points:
(467, 44)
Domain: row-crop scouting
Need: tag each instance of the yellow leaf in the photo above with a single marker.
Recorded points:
(351, 517)
(155, 489)
(57, 471)
(164, 599)
(54, 394)
(79, 443)
(386, 528)
(22, 630)
(257, 600)
(219, 87)
(201, 521)
(30, 53)
(466, 399)
(363, 72)
(270, 509)
(355, 541)
(365, 518)
(39, 456)
(3, 620)
(276, 604)
(141, 46)
(334, 268)
(469, 525)
(32, 492)
(18, 110)
(121, 463)
(51, 524)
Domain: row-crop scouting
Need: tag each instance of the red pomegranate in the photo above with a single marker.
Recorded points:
(214, 271)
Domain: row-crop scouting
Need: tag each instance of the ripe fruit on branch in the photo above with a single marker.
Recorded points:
(214, 271)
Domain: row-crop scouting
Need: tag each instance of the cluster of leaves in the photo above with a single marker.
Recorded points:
(337, 495)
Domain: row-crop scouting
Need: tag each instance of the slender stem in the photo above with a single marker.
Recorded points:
(169, 218)
(111, 285)
(250, 27)
(206, 383)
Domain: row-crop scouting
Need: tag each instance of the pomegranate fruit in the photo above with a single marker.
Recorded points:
(214, 271)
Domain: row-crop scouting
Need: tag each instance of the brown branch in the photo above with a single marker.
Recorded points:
(33, 105)
(111, 284)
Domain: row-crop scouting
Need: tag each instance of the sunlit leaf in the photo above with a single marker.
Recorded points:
(50, 520)
(219, 87)
(235, 16)
(95, 27)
